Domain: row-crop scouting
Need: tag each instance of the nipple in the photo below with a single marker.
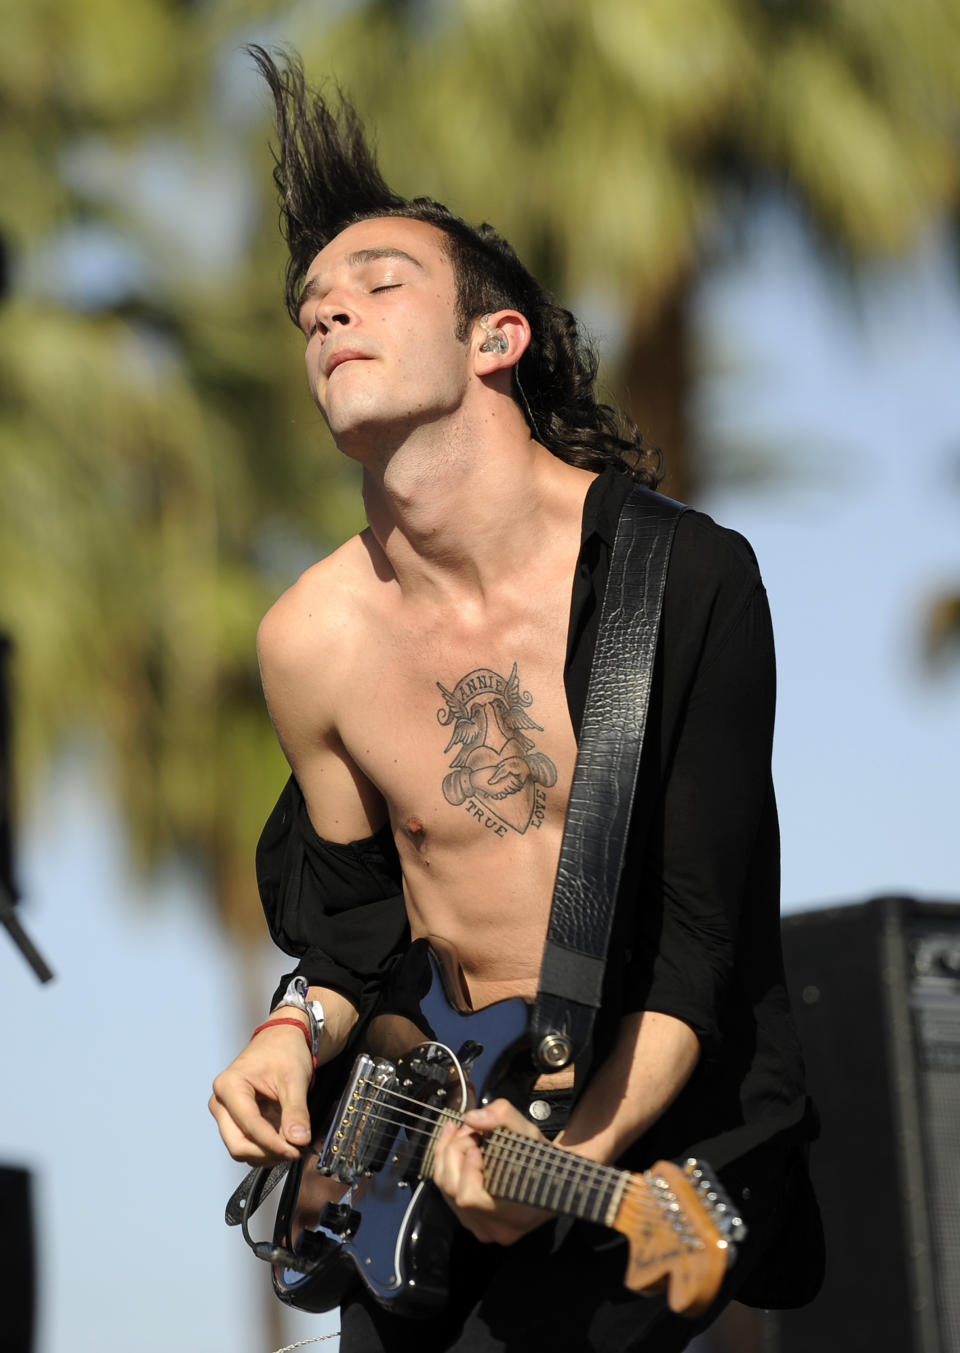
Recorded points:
(418, 835)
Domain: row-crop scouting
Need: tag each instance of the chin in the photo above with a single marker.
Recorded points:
(363, 441)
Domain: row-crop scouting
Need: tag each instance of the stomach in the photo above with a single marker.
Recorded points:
(488, 897)
(490, 900)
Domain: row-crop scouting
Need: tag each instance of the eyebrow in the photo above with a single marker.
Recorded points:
(316, 285)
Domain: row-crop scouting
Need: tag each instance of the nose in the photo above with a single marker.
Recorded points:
(333, 314)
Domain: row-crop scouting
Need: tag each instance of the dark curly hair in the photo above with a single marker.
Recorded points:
(328, 179)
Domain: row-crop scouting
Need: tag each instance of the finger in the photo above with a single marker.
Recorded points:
(238, 1104)
(237, 1143)
(501, 1113)
(460, 1177)
(447, 1160)
(471, 1189)
(294, 1114)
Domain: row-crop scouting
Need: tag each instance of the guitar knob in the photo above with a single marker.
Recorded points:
(340, 1218)
(469, 1053)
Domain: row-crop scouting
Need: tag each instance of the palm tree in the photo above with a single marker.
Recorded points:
(161, 470)
(173, 464)
(148, 447)
(152, 436)
(172, 468)
(617, 143)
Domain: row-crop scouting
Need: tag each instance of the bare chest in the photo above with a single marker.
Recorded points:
(466, 733)
(469, 721)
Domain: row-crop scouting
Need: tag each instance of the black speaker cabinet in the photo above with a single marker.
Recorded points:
(876, 994)
(17, 1269)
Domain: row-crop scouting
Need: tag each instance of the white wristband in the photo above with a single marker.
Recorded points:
(296, 997)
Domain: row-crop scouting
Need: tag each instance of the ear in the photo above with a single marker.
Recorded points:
(499, 340)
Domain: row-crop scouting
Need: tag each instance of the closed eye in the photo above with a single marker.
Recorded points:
(387, 286)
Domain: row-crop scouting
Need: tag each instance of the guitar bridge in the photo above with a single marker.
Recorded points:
(361, 1133)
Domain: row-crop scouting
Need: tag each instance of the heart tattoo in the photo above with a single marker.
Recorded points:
(497, 771)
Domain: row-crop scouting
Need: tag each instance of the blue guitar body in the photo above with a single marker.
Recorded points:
(356, 1206)
(361, 1204)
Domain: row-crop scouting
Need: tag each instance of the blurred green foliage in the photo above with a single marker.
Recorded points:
(617, 143)
(163, 474)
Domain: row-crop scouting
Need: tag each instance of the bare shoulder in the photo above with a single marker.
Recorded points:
(309, 643)
(307, 640)
(322, 610)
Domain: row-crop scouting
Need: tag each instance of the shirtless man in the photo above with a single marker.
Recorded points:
(416, 676)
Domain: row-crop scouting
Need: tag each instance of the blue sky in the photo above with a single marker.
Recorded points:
(107, 1070)
(854, 542)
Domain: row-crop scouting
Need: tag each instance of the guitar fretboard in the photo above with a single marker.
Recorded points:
(522, 1170)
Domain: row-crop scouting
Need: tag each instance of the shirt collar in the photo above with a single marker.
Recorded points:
(603, 503)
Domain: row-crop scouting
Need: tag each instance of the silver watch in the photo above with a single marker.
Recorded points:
(296, 996)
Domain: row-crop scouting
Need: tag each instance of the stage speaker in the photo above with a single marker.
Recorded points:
(17, 1271)
(876, 993)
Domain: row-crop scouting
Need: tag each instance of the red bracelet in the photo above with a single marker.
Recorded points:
(297, 1024)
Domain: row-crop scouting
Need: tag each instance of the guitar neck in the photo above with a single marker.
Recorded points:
(520, 1169)
(679, 1223)
(680, 1226)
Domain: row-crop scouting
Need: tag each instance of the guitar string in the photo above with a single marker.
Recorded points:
(638, 1189)
(507, 1144)
(571, 1162)
(571, 1165)
(516, 1149)
(521, 1151)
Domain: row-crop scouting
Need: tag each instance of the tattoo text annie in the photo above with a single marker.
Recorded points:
(496, 773)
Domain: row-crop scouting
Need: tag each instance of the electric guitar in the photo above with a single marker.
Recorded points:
(361, 1204)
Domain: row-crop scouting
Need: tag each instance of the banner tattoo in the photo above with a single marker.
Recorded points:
(496, 773)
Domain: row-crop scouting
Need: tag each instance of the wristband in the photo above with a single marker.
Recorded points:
(297, 1024)
(295, 996)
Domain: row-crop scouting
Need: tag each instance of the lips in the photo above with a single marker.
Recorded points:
(339, 357)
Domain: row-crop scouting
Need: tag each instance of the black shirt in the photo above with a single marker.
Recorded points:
(697, 926)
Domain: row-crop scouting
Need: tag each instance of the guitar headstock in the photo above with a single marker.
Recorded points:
(682, 1229)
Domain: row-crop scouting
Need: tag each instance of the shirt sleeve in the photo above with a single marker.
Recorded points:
(336, 907)
(712, 844)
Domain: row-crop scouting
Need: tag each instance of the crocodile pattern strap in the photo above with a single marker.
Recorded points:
(604, 781)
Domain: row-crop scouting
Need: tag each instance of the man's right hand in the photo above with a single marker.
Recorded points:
(260, 1100)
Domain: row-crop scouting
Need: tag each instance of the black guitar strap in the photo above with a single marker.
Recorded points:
(604, 782)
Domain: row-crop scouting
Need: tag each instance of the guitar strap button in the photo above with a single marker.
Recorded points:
(554, 1052)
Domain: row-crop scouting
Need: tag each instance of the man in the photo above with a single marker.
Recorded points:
(427, 682)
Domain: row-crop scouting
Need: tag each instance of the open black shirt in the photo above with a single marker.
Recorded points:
(697, 927)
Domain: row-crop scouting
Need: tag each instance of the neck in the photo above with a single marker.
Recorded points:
(454, 507)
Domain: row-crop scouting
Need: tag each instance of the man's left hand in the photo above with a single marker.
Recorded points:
(458, 1173)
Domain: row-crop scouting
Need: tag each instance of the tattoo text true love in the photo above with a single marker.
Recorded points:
(496, 774)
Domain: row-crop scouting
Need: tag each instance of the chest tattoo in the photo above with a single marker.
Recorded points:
(496, 774)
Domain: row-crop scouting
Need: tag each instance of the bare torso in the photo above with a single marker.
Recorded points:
(447, 714)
